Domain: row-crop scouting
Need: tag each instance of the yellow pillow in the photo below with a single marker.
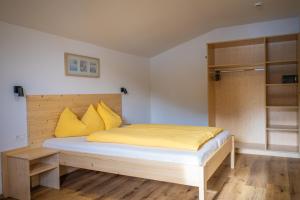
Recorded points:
(92, 120)
(69, 126)
(110, 118)
(110, 110)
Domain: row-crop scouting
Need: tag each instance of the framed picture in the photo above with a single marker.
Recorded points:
(77, 65)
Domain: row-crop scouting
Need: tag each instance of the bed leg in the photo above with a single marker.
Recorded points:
(232, 154)
(203, 187)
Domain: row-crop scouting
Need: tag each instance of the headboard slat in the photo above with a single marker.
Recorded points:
(43, 111)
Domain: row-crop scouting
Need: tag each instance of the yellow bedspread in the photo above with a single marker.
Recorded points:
(151, 135)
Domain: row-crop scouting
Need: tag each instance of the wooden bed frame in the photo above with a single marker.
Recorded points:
(43, 113)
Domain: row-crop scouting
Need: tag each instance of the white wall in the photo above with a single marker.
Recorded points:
(179, 75)
(35, 60)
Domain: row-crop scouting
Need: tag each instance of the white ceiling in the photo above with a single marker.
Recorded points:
(140, 27)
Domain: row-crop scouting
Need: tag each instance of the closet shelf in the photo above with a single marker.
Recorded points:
(237, 65)
(276, 147)
(286, 128)
(282, 62)
(282, 84)
(277, 62)
(282, 107)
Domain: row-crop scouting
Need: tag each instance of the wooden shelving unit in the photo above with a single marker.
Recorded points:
(281, 59)
(255, 105)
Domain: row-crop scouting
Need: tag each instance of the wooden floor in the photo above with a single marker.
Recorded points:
(255, 177)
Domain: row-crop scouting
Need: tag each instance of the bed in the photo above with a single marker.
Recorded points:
(169, 165)
(80, 145)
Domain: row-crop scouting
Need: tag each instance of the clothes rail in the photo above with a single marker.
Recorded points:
(238, 70)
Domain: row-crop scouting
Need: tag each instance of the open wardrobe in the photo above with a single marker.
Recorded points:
(253, 92)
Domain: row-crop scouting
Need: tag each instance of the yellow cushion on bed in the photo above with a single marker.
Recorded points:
(110, 118)
(92, 120)
(152, 135)
(69, 125)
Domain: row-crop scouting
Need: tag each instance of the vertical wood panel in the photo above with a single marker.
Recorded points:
(240, 102)
(250, 54)
(211, 90)
(282, 122)
(19, 182)
(265, 92)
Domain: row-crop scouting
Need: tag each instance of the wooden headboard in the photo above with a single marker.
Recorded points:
(43, 111)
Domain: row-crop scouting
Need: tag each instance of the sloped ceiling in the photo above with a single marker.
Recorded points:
(139, 27)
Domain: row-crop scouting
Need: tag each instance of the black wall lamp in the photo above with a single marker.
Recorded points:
(217, 76)
(19, 91)
(124, 90)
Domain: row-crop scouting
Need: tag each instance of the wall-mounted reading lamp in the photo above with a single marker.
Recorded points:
(124, 90)
(19, 91)
(217, 76)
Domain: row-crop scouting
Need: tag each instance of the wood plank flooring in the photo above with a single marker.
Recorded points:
(255, 177)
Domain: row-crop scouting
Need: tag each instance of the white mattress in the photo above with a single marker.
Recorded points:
(79, 144)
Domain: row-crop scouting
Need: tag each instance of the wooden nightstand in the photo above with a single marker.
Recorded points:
(22, 165)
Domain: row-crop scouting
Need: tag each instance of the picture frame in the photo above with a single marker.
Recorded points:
(83, 66)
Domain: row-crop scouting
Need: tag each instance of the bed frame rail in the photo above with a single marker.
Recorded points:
(154, 170)
(191, 175)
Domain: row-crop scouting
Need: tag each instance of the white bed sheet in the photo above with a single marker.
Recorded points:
(79, 144)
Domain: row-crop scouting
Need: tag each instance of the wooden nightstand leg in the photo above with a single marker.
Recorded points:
(19, 179)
